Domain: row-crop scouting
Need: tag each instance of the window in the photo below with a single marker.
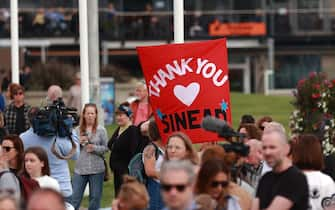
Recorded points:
(289, 69)
(312, 16)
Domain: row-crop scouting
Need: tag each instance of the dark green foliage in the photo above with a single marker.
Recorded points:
(52, 73)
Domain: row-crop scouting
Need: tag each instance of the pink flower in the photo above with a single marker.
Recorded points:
(328, 116)
(312, 74)
(316, 95)
(301, 82)
(317, 86)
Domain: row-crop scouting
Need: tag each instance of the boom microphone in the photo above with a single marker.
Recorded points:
(218, 126)
(224, 130)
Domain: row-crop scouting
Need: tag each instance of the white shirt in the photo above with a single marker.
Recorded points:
(321, 190)
(266, 168)
(48, 182)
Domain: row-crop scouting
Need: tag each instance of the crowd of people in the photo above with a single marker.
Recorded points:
(278, 172)
(43, 21)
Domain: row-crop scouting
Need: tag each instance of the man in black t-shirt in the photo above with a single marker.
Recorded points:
(285, 187)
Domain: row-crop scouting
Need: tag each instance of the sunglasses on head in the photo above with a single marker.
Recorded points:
(7, 148)
(169, 187)
(223, 184)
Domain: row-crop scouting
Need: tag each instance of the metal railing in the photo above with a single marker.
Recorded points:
(158, 25)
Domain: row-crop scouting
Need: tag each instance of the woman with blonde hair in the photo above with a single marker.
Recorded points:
(132, 195)
(179, 147)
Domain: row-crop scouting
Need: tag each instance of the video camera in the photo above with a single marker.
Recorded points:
(55, 120)
(224, 130)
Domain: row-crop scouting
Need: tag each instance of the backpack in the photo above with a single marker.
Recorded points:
(136, 165)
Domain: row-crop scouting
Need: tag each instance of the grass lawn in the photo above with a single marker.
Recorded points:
(278, 107)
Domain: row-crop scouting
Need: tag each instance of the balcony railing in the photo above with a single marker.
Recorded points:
(114, 25)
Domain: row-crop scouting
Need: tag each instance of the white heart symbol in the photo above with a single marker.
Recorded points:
(187, 94)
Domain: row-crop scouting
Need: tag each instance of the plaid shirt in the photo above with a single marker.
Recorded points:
(10, 117)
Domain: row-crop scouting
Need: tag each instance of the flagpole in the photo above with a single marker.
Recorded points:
(178, 21)
(14, 34)
(84, 61)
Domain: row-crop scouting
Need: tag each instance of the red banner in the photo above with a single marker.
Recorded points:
(187, 82)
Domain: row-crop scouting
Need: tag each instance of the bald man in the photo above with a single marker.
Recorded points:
(54, 92)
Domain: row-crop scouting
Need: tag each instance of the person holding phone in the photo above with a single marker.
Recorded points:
(90, 167)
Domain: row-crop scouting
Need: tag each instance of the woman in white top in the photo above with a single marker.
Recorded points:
(36, 166)
(307, 156)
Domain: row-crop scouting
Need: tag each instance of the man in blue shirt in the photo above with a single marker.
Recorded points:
(59, 168)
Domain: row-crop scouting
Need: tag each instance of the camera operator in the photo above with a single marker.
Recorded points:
(58, 167)
(54, 92)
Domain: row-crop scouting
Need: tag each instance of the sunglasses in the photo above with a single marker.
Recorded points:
(169, 187)
(223, 184)
(7, 148)
(18, 93)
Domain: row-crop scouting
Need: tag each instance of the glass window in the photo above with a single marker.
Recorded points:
(313, 20)
(289, 69)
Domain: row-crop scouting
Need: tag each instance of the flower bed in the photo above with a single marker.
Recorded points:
(314, 102)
